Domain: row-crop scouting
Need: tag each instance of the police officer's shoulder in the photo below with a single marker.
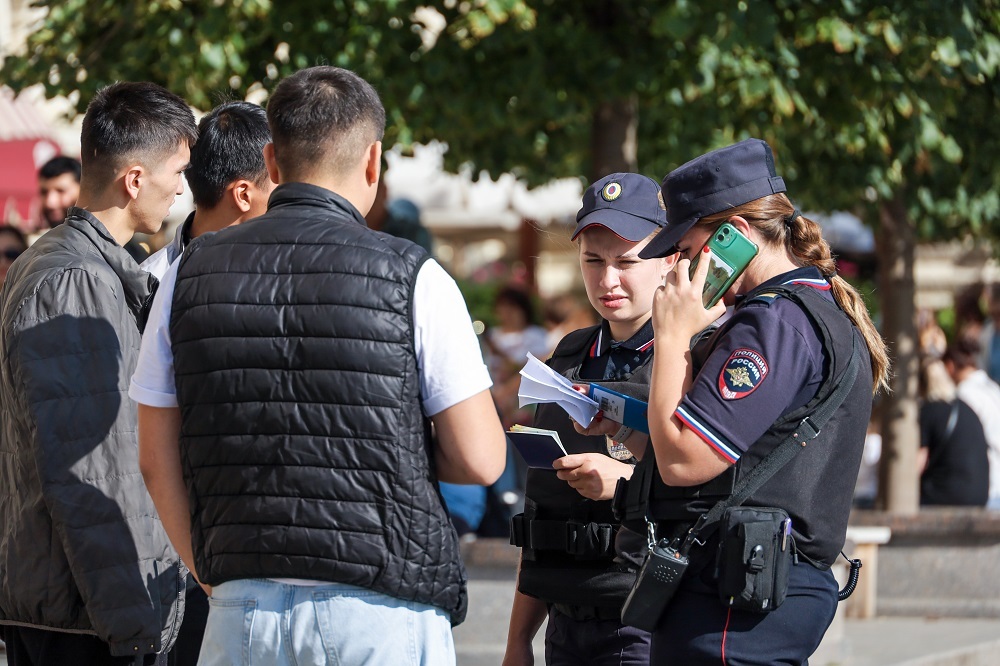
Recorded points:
(764, 299)
(573, 343)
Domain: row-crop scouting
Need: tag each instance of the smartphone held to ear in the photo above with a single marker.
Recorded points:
(730, 253)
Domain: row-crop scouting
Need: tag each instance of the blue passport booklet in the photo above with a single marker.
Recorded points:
(621, 408)
(538, 447)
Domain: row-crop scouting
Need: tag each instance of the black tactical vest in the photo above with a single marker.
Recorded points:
(305, 449)
(567, 540)
(817, 487)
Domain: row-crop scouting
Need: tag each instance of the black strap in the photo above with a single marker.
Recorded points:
(808, 429)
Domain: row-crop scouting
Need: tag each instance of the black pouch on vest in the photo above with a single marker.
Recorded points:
(656, 584)
(755, 557)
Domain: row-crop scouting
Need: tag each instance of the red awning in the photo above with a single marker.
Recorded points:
(25, 145)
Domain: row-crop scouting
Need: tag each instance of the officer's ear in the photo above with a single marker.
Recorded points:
(667, 264)
(741, 225)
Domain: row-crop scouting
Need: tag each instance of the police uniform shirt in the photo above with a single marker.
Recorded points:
(610, 360)
(767, 362)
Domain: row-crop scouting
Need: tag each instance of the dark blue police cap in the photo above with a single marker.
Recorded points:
(626, 203)
(712, 183)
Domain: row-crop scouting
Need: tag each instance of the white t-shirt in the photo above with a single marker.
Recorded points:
(982, 394)
(449, 358)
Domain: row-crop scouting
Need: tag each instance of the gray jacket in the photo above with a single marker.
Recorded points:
(81, 547)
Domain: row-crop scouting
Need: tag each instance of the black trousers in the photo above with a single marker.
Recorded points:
(188, 645)
(697, 629)
(570, 642)
(27, 646)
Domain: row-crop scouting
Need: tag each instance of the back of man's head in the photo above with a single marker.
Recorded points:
(132, 122)
(322, 120)
(230, 147)
(963, 352)
(59, 165)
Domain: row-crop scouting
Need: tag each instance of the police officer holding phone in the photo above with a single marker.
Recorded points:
(717, 410)
(576, 564)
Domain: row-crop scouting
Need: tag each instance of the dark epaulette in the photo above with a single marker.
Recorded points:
(573, 343)
(765, 298)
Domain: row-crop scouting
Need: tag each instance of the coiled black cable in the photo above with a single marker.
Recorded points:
(852, 579)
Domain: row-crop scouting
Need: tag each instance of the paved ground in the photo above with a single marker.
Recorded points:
(880, 642)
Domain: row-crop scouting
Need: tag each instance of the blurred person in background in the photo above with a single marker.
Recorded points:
(952, 457)
(12, 244)
(564, 314)
(989, 337)
(982, 394)
(58, 189)
(507, 345)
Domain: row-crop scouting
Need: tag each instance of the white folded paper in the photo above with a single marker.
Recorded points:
(540, 383)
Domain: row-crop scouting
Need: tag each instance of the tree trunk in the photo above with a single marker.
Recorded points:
(613, 145)
(899, 485)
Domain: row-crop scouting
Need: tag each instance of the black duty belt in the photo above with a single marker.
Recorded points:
(573, 537)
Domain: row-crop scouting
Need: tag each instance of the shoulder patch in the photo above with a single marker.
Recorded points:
(742, 374)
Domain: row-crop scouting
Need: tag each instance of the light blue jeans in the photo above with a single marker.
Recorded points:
(265, 623)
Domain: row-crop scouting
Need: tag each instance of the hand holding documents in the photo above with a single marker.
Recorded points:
(540, 383)
(539, 448)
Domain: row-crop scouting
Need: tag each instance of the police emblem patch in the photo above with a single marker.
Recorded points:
(742, 374)
(611, 191)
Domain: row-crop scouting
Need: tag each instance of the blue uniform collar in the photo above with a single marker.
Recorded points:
(808, 275)
(641, 341)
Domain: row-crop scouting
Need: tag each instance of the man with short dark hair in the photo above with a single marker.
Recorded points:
(230, 184)
(58, 189)
(88, 575)
(227, 176)
(289, 380)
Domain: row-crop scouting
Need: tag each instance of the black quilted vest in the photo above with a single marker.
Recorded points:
(304, 446)
(584, 571)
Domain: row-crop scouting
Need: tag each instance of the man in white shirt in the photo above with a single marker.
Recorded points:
(289, 375)
(228, 180)
(982, 394)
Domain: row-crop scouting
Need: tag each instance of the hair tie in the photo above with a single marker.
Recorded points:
(790, 220)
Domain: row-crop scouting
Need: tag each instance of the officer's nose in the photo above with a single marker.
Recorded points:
(609, 278)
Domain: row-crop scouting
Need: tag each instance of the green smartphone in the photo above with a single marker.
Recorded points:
(730, 254)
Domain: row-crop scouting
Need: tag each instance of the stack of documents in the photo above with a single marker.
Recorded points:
(540, 383)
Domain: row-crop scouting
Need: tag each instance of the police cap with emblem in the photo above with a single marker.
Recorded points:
(626, 203)
(712, 183)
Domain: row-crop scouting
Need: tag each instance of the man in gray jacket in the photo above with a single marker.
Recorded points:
(87, 575)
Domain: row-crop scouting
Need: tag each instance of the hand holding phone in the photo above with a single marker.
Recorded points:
(730, 252)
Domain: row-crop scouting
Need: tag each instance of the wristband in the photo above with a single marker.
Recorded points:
(622, 434)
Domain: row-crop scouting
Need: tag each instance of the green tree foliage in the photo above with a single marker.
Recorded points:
(884, 107)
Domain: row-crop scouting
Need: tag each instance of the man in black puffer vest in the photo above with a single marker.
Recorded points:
(292, 372)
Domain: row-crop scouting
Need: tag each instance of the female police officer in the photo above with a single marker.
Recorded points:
(716, 410)
(568, 533)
